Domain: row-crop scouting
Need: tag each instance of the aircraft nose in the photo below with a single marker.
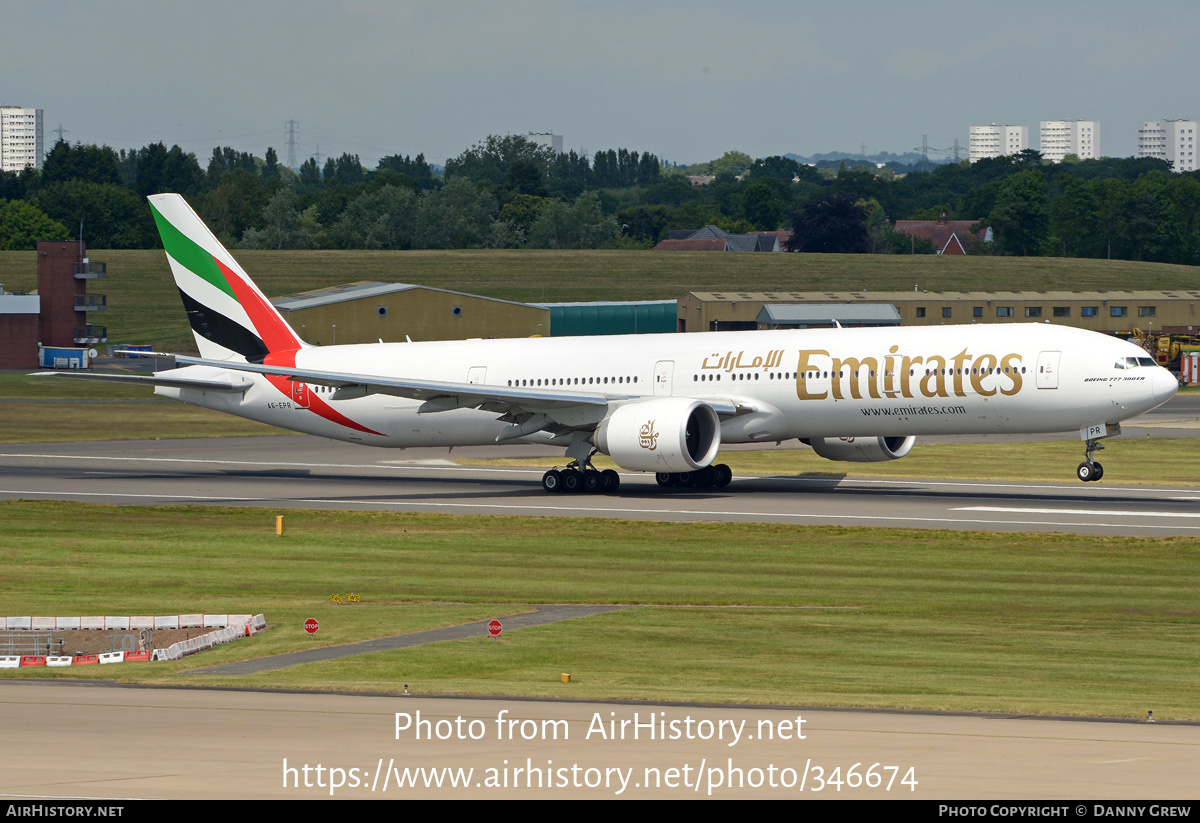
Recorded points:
(1163, 385)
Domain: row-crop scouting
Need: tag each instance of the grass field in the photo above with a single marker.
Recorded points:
(144, 303)
(50, 410)
(740, 613)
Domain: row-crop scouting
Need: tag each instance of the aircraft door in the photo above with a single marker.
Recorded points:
(300, 394)
(1047, 369)
(477, 374)
(663, 370)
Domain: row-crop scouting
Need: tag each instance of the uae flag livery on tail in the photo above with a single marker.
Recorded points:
(230, 317)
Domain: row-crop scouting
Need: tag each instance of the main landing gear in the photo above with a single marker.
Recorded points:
(717, 476)
(575, 478)
(1089, 469)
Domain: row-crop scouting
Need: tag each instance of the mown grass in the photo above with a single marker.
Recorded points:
(144, 303)
(45, 409)
(742, 613)
(1127, 460)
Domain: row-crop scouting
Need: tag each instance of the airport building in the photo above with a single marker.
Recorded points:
(554, 142)
(21, 138)
(997, 141)
(1170, 140)
(368, 312)
(58, 316)
(1173, 312)
(1062, 137)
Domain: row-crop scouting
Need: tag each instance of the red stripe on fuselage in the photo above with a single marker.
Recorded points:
(287, 359)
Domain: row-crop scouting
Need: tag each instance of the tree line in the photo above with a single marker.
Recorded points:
(507, 192)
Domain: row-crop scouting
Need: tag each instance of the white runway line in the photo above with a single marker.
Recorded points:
(1087, 512)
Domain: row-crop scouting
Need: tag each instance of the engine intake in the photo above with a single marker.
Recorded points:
(669, 434)
(862, 449)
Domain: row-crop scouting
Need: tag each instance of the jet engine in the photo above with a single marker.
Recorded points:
(669, 434)
(862, 449)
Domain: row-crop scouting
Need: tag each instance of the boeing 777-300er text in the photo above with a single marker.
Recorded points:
(662, 403)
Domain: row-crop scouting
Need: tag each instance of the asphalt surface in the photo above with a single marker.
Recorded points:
(304, 472)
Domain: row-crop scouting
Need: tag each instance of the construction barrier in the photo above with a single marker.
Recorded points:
(59, 661)
(9, 662)
(42, 624)
(136, 657)
(66, 624)
(33, 660)
(112, 657)
(92, 623)
(116, 623)
(86, 659)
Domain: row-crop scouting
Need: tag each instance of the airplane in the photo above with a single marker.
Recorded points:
(662, 403)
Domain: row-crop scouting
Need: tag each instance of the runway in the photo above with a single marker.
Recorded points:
(301, 472)
(79, 740)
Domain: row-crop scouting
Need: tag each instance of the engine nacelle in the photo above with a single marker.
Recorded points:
(669, 434)
(862, 449)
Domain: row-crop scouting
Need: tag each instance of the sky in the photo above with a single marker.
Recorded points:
(687, 81)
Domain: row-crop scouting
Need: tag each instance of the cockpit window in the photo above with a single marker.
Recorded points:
(1146, 361)
(1120, 364)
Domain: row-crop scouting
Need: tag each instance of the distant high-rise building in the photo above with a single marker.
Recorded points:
(550, 141)
(997, 141)
(1062, 137)
(1170, 140)
(20, 138)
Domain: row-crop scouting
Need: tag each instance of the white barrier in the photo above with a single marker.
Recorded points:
(232, 626)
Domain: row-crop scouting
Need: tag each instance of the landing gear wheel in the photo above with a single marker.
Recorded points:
(704, 478)
(1086, 471)
(572, 480)
(592, 482)
(612, 481)
(552, 481)
(665, 479)
(1099, 471)
(724, 475)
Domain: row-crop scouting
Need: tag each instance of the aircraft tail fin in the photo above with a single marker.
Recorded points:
(230, 317)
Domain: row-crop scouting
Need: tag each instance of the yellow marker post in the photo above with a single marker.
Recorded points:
(279, 525)
(566, 678)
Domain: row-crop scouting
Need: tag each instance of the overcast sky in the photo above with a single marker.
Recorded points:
(685, 80)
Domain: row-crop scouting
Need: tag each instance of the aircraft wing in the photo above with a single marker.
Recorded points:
(438, 395)
(231, 385)
(444, 396)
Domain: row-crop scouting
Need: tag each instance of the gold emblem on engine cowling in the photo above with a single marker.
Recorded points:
(648, 436)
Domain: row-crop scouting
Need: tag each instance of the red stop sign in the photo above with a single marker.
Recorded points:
(311, 625)
(494, 628)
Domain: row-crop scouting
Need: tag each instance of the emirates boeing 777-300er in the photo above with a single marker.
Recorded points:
(662, 403)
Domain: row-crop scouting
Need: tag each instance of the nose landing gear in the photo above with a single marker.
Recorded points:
(1089, 470)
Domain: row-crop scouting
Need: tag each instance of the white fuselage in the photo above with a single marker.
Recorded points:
(788, 384)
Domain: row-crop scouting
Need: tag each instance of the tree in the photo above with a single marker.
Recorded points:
(1074, 217)
(22, 225)
(457, 216)
(761, 205)
(309, 174)
(1019, 218)
(113, 217)
(95, 164)
(833, 224)
(385, 218)
(271, 165)
(283, 226)
(578, 225)
(520, 214)
(490, 161)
